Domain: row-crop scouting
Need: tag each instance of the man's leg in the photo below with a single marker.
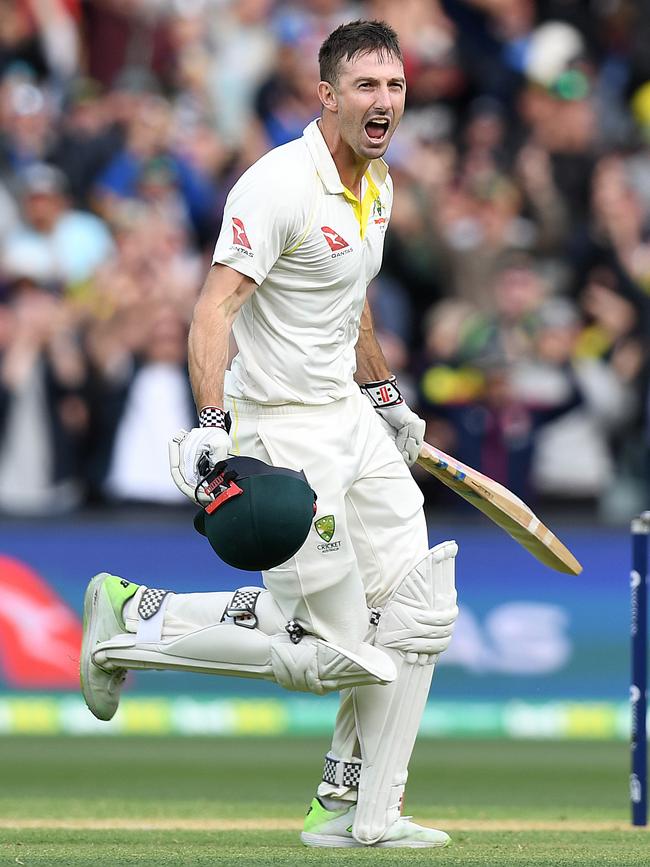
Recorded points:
(243, 634)
(414, 627)
(389, 533)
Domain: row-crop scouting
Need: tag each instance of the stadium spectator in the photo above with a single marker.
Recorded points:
(141, 389)
(573, 457)
(87, 138)
(27, 122)
(148, 151)
(43, 34)
(496, 432)
(55, 244)
(286, 101)
(243, 31)
(43, 413)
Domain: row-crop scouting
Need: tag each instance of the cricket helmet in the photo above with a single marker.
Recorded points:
(258, 515)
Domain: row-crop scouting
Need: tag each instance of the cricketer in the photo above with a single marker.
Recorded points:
(363, 606)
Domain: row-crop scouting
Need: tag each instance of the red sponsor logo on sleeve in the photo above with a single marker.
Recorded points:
(239, 236)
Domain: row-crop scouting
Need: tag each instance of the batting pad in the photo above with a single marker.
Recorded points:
(414, 628)
(250, 641)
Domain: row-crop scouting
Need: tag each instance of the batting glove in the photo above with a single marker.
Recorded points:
(401, 423)
(187, 448)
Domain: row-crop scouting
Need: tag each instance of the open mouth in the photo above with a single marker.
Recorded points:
(377, 128)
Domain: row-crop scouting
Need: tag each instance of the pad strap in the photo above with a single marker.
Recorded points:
(241, 608)
(336, 772)
(151, 613)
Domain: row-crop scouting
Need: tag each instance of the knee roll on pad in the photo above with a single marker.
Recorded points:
(318, 666)
(309, 664)
(419, 618)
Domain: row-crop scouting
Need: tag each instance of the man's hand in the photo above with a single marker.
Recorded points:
(186, 449)
(406, 428)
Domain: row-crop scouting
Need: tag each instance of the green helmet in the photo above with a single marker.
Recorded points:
(259, 515)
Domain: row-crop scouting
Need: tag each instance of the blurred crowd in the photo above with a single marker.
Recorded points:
(514, 300)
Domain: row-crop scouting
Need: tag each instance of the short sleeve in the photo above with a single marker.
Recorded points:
(261, 220)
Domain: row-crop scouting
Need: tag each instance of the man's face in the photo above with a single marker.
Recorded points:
(370, 96)
(43, 209)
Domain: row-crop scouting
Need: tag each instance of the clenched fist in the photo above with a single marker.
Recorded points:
(186, 448)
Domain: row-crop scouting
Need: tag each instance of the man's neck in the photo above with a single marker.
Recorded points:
(350, 166)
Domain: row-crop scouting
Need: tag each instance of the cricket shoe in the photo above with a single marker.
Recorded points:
(103, 602)
(333, 829)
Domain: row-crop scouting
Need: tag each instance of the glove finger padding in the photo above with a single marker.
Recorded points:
(406, 428)
(409, 439)
(185, 450)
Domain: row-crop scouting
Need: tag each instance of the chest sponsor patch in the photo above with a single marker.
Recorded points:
(335, 241)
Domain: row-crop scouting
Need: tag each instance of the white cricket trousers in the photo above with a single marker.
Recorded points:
(365, 491)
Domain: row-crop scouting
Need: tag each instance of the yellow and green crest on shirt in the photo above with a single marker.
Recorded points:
(325, 527)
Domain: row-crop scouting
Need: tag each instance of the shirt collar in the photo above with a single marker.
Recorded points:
(325, 165)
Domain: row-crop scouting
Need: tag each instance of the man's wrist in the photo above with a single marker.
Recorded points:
(214, 416)
(383, 393)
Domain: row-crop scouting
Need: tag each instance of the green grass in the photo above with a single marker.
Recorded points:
(280, 848)
(168, 782)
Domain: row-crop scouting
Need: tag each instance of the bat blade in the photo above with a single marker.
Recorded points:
(501, 506)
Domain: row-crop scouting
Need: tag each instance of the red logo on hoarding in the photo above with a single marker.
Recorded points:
(40, 637)
(335, 241)
(239, 236)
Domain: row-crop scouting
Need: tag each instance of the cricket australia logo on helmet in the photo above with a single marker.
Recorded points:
(335, 241)
(239, 236)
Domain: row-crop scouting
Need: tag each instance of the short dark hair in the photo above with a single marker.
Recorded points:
(352, 39)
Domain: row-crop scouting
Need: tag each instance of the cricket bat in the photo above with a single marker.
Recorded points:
(502, 507)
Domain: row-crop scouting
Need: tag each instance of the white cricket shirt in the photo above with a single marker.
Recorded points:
(312, 248)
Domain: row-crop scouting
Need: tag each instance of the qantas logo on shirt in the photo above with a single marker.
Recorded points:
(239, 236)
(335, 241)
